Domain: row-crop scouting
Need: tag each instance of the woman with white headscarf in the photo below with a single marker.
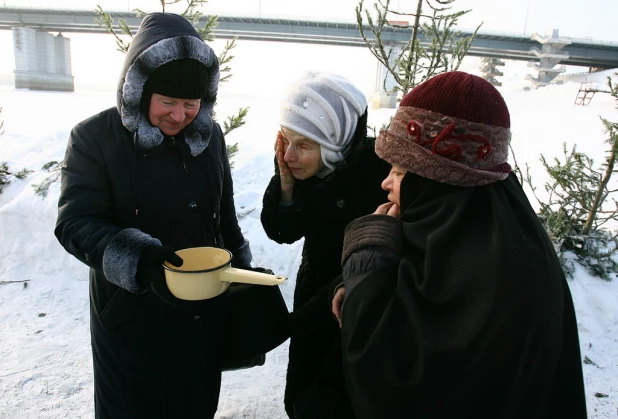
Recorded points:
(326, 175)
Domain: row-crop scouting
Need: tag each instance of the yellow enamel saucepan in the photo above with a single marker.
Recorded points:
(206, 273)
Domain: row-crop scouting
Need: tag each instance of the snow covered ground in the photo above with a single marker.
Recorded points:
(45, 359)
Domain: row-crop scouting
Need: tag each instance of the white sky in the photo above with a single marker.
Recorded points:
(574, 18)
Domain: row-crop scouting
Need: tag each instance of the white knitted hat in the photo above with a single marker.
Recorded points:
(324, 108)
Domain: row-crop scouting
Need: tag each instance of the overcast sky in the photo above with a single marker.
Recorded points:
(574, 18)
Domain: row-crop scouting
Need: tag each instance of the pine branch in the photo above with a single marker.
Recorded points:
(235, 121)
(376, 47)
(107, 23)
(224, 58)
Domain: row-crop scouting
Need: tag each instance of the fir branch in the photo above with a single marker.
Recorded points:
(224, 59)
(107, 23)
(416, 63)
(235, 121)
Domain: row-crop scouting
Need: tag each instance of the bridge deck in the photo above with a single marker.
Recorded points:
(581, 52)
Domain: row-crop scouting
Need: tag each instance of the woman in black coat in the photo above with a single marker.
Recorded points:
(456, 305)
(139, 181)
(327, 174)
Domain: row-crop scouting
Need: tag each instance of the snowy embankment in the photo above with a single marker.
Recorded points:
(45, 367)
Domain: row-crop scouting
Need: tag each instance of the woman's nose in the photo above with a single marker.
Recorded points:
(386, 184)
(178, 114)
(290, 154)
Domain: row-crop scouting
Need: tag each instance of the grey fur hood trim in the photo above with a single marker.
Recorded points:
(197, 134)
(121, 256)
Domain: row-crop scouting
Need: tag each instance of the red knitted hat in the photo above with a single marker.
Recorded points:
(453, 128)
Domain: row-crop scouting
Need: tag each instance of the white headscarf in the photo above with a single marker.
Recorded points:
(324, 108)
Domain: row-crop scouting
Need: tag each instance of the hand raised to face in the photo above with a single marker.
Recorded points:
(389, 209)
(287, 178)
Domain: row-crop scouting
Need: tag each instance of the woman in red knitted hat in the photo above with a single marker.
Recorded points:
(456, 305)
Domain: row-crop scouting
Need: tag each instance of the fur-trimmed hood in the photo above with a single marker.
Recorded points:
(161, 38)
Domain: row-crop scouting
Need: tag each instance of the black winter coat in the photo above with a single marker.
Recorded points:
(459, 309)
(125, 187)
(321, 210)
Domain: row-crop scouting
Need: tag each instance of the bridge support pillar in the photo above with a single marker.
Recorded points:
(489, 70)
(42, 61)
(385, 82)
(549, 57)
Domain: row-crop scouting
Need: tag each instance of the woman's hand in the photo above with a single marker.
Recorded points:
(287, 178)
(337, 303)
(388, 209)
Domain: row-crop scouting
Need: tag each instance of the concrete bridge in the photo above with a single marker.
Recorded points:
(31, 29)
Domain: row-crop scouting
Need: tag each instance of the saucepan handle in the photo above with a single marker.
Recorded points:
(249, 277)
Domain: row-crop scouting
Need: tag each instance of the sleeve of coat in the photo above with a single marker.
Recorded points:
(282, 223)
(85, 225)
(230, 230)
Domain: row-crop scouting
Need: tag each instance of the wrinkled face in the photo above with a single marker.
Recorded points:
(392, 183)
(302, 155)
(171, 115)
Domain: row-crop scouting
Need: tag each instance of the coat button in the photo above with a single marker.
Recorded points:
(196, 317)
(193, 206)
(340, 203)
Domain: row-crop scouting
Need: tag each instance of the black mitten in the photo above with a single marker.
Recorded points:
(150, 272)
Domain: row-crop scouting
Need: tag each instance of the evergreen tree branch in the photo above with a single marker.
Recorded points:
(224, 58)
(416, 63)
(107, 23)
(235, 121)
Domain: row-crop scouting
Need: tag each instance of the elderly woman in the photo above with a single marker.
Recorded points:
(327, 174)
(456, 305)
(139, 181)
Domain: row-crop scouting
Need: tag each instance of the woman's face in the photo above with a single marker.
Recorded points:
(302, 155)
(392, 183)
(172, 115)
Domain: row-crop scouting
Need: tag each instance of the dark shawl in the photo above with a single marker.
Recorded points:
(471, 317)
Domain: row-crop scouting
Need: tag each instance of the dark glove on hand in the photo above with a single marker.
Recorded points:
(150, 272)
